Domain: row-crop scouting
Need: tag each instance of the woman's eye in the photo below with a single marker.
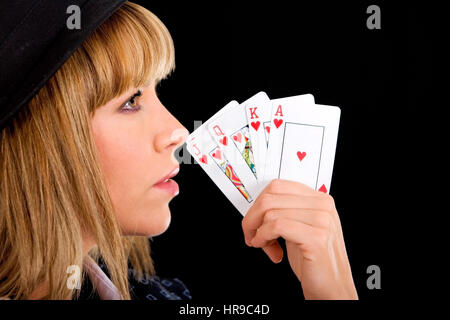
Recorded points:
(131, 105)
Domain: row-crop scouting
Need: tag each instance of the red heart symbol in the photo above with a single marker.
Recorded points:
(255, 125)
(238, 137)
(217, 155)
(323, 189)
(223, 141)
(277, 122)
(204, 159)
(268, 129)
(301, 155)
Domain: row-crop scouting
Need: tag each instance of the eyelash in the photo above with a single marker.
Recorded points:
(124, 109)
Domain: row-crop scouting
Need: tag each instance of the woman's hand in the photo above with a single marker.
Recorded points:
(308, 221)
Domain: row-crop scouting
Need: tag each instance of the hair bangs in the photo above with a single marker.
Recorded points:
(131, 49)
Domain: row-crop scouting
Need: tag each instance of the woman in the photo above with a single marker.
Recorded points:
(76, 188)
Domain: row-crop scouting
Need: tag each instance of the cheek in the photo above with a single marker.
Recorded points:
(130, 172)
(122, 159)
(124, 164)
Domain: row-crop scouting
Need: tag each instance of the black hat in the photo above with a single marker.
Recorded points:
(36, 38)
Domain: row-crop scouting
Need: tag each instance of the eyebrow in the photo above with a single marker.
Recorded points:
(137, 94)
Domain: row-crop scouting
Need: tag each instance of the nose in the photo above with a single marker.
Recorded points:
(172, 134)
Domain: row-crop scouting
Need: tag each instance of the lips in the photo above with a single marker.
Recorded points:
(172, 174)
(168, 185)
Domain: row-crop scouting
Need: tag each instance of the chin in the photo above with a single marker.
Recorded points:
(154, 224)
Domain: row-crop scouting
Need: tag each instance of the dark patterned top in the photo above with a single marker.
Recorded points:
(155, 288)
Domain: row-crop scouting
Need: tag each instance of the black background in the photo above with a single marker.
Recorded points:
(379, 79)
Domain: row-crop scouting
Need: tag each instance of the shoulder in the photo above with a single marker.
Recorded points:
(155, 287)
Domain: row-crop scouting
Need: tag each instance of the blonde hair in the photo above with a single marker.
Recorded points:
(52, 191)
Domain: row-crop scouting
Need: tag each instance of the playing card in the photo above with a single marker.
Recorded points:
(258, 109)
(259, 114)
(231, 133)
(205, 151)
(276, 127)
(302, 144)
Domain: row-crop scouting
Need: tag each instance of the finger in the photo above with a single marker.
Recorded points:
(314, 218)
(290, 230)
(274, 251)
(265, 202)
(281, 186)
